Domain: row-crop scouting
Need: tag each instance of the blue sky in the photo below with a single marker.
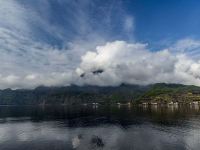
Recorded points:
(156, 22)
(53, 42)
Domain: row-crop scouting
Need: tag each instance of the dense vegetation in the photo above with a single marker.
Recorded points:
(165, 93)
(161, 93)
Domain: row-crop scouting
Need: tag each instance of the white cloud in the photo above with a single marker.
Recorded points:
(32, 64)
(27, 63)
(133, 63)
(129, 24)
(12, 15)
(187, 46)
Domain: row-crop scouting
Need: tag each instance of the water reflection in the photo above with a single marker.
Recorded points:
(107, 128)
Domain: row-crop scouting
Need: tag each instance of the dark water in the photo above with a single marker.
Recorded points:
(109, 128)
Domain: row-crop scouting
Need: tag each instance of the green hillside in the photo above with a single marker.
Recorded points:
(164, 93)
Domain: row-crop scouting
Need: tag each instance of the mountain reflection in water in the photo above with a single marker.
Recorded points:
(106, 128)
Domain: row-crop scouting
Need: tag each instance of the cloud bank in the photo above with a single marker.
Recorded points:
(87, 55)
(110, 64)
(133, 63)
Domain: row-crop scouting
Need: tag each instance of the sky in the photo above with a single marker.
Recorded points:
(98, 42)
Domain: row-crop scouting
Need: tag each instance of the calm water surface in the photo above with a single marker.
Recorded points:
(103, 128)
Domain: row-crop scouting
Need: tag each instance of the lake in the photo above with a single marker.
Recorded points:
(102, 128)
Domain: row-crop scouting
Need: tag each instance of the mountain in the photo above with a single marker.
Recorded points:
(160, 93)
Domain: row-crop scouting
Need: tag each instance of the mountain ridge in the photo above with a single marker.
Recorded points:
(125, 93)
